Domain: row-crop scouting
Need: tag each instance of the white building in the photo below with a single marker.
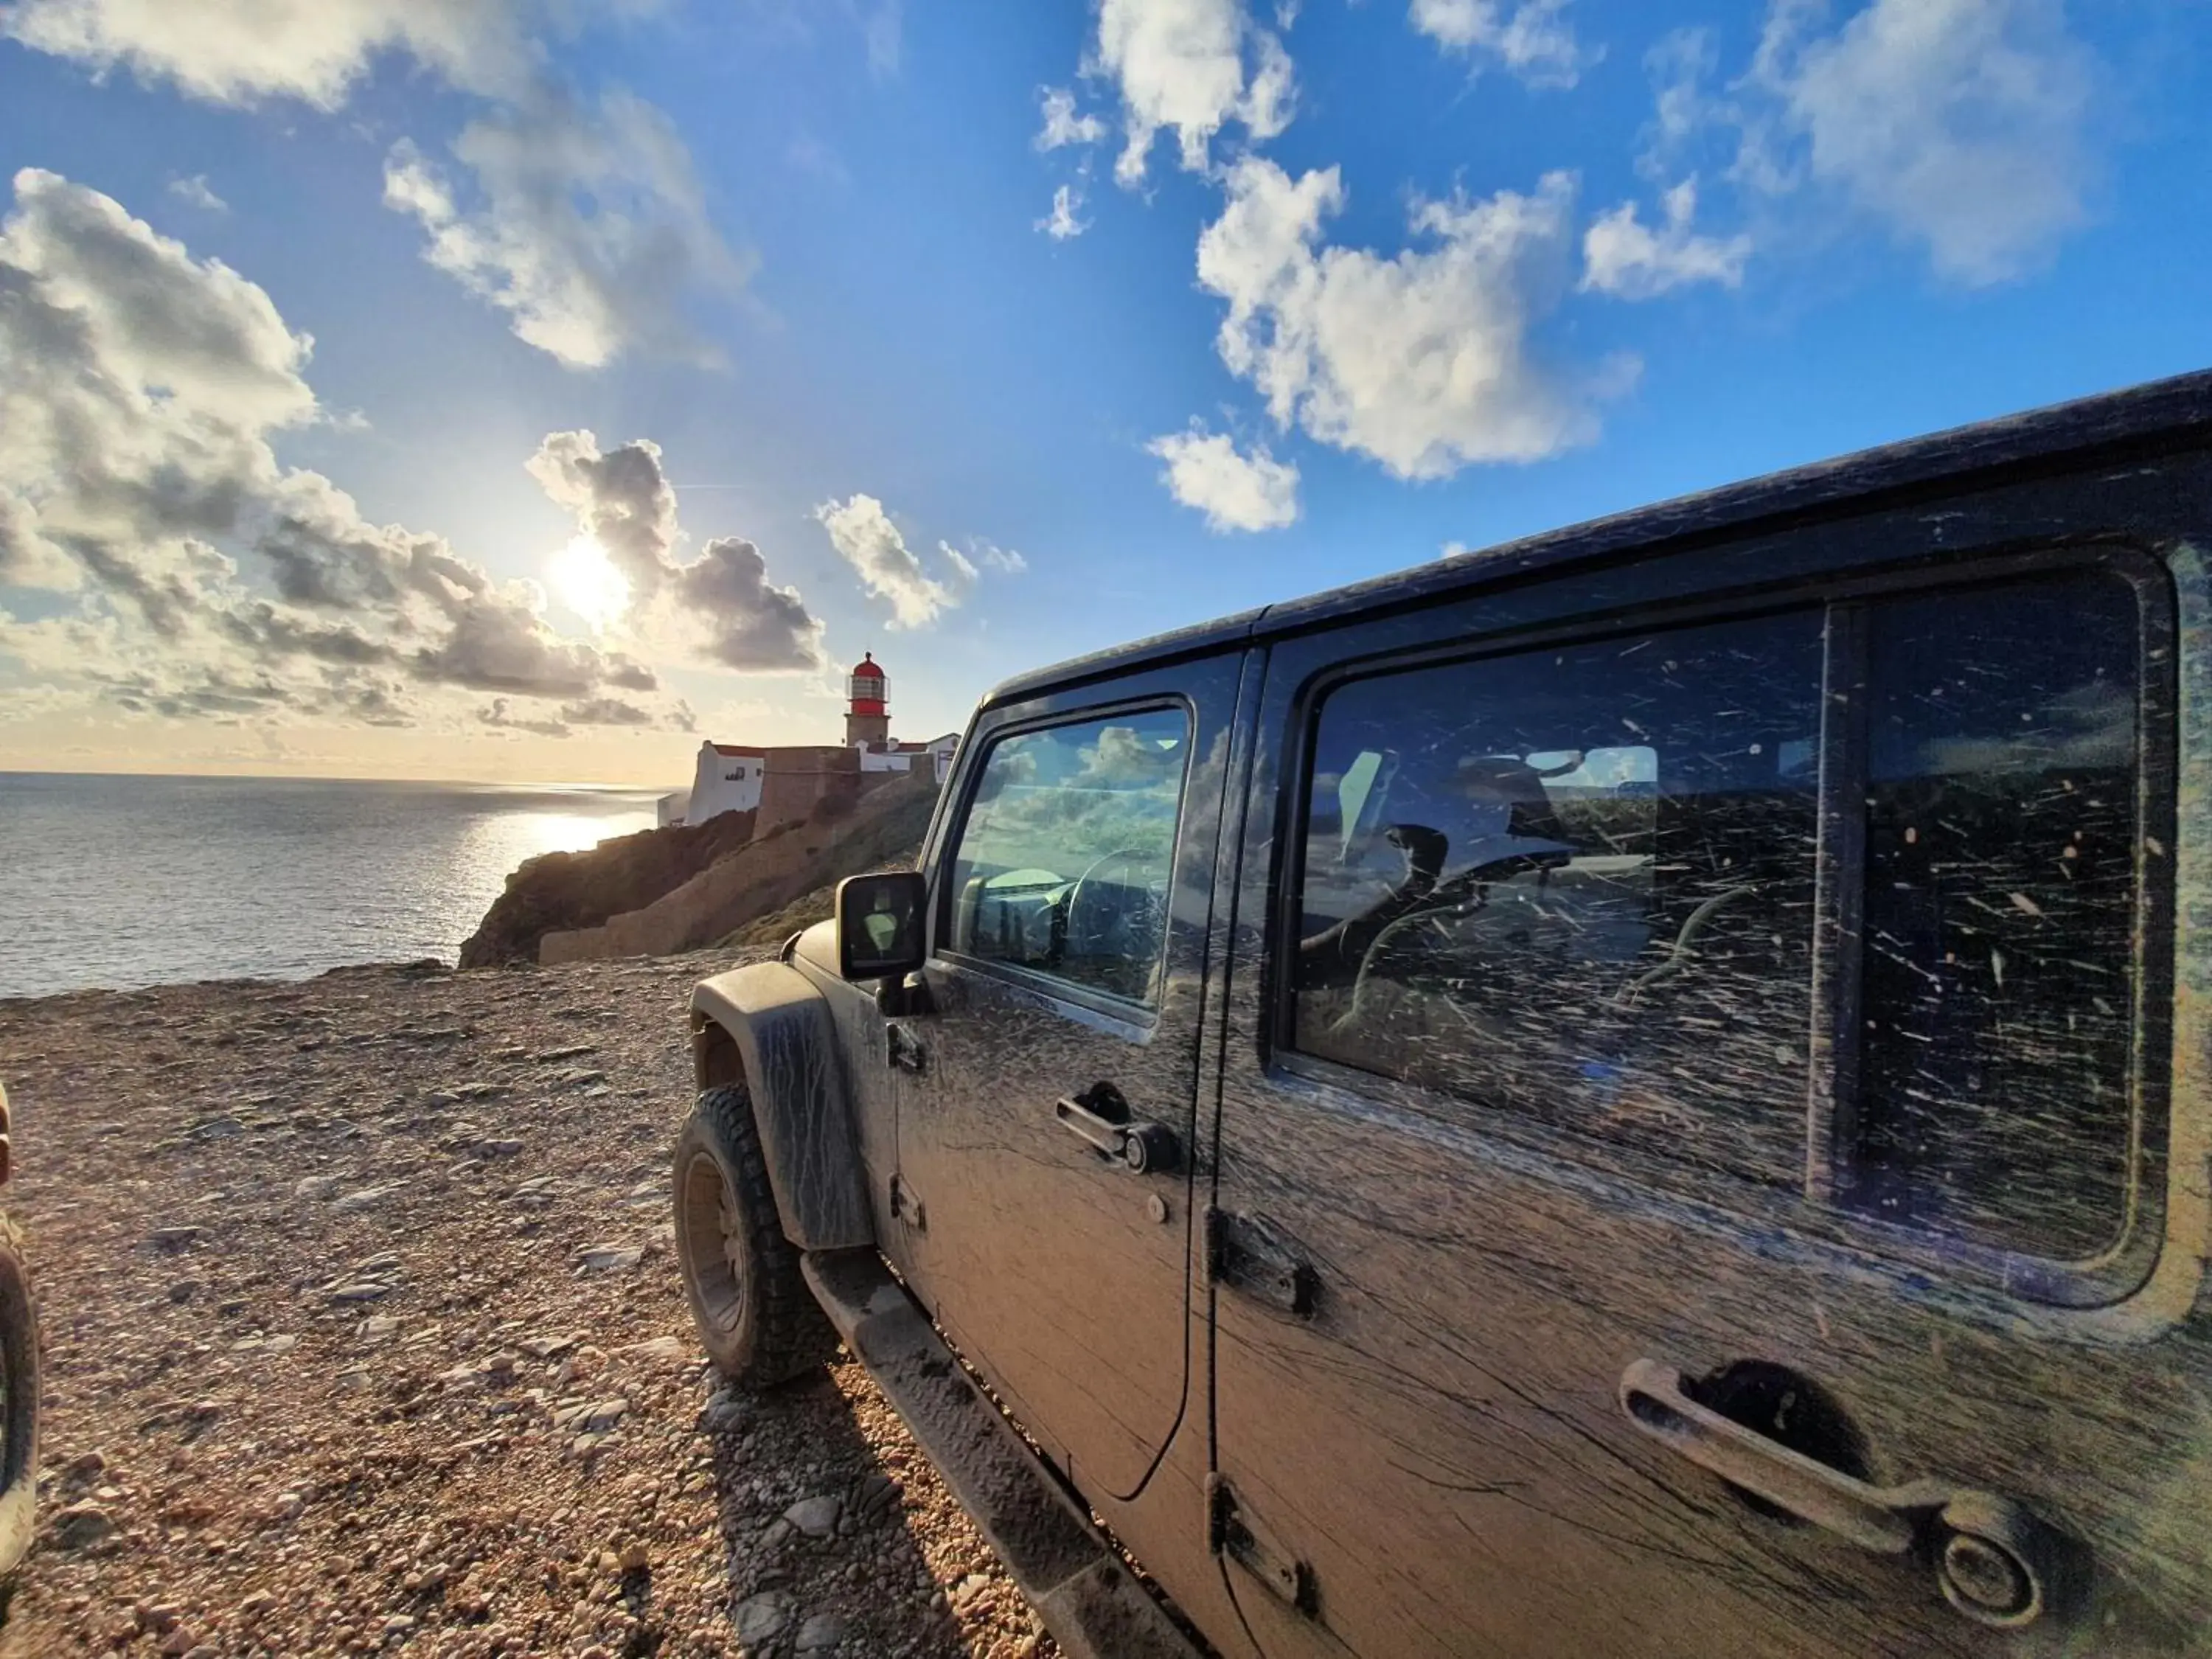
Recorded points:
(726, 779)
(902, 756)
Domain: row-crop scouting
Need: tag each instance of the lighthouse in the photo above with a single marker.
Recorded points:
(868, 718)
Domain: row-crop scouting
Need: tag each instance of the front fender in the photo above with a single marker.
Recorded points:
(767, 1027)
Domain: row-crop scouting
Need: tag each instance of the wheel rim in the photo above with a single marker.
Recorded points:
(714, 1244)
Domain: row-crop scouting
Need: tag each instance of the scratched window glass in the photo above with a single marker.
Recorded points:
(1998, 957)
(1578, 884)
(1064, 861)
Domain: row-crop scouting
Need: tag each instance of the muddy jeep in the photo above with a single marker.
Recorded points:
(1644, 1092)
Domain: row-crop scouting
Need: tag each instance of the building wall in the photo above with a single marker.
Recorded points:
(725, 783)
(799, 779)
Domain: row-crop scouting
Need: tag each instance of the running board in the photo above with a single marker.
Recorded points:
(1079, 1586)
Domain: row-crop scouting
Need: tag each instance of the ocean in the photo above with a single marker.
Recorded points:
(122, 882)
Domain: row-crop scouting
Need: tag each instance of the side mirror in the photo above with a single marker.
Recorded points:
(880, 925)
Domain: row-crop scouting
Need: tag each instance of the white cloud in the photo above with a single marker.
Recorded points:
(720, 609)
(589, 229)
(995, 558)
(1062, 125)
(239, 51)
(1191, 66)
(194, 190)
(1624, 257)
(585, 223)
(1061, 223)
(140, 389)
(866, 538)
(1961, 126)
(1421, 360)
(1532, 39)
(1236, 491)
(1959, 123)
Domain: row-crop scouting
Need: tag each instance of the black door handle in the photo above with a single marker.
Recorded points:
(1995, 1563)
(1140, 1148)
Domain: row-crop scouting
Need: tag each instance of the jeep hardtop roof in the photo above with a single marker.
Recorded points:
(2157, 417)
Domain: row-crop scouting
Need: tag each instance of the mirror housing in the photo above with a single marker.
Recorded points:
(882, 925)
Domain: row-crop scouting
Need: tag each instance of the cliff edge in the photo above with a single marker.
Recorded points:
(790, 874)
(569, 890)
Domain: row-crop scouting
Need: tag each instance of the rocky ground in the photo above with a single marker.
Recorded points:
(362, 1332)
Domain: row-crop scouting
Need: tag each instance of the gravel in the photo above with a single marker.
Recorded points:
(364, 1335)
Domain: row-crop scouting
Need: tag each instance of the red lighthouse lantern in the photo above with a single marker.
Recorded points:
(867, 717)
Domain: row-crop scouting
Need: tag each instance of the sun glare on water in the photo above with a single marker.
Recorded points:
(586, 580)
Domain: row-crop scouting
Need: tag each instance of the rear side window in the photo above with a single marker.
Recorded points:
(1582, 884)
(1578, 884)
(1065, 858)
(1998, 959)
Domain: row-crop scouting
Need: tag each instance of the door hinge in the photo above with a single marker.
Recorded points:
(906, 1205)
(1248, 1253)
(903, 1050)
(1236, 1537)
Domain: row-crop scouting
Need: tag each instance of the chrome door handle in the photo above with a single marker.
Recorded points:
(1996, 1562)
(1141, 1148)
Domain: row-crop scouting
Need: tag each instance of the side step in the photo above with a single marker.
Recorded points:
(1083, 1590)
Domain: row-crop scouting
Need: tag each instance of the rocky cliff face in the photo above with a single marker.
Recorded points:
(568, 890)
(790, 875)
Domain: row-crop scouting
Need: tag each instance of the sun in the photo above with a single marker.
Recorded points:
(586, 580)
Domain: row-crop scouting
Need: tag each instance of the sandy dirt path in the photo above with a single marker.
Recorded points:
(362, 1332)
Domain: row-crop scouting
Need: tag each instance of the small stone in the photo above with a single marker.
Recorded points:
(367, 1198)
(173, 1239)
(969, 1588)
(610, 1258)
(84, 1468)
(355, 1377)
(216, 1129)
(178, 1643)
(762, 1617)
(659, 1350)
(316, 1186)
(184, 1289)
(280, 1343)
(821, 1632)
(604, 1415)
(367, 1290)
(490, 1149)
(633, 1557)
(726, 1415)
(381, 1328)
(815, 1517)
(398, 1624)
(81, 1524)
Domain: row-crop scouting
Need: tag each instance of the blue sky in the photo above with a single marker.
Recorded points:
(353, 343)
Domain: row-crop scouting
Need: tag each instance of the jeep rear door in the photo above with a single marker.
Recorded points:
(1712, 1157)
(1072, 881)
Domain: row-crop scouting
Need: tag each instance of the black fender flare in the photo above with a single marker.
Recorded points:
(769, 1027)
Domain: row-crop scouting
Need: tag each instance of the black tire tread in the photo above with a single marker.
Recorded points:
(790, 1334)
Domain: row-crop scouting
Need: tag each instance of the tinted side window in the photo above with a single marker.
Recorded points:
(1578, 883)
(1998, 959)
(1065, 858)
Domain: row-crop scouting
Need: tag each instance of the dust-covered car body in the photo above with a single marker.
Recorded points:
(1639, 1092)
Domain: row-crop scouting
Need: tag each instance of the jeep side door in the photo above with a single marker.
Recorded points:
(1712, 1159)
(1045, 1114)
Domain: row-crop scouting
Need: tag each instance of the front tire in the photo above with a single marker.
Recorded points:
(754, 1313)
(18, 1400)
